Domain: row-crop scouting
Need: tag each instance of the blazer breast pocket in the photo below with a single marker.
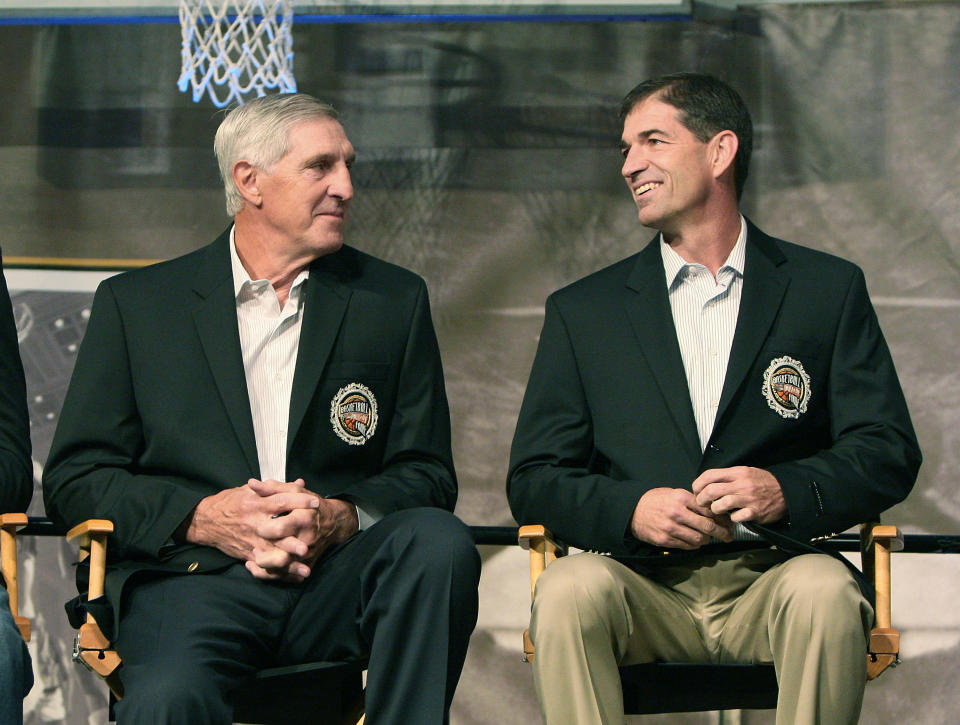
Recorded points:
(358, 371)
(795, 347)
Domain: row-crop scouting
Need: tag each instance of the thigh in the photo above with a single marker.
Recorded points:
(227, 623)
(391, 565)
(809, 587)
(648, 621)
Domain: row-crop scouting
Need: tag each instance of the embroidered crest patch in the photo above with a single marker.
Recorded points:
(786, 386)
(353, 414)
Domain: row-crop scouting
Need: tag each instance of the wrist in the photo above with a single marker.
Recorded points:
(346, 518)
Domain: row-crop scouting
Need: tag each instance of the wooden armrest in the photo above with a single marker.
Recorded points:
(91, 648)
(886, 535)
(89, 529)
(9, 524)
(543, 547)
(876, 543)
(91, 537)
(533, 535)
(14, 520)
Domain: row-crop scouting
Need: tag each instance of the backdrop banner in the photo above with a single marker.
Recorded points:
(488, 163)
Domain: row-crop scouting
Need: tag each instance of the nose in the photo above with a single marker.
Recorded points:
(634, 161)
(341, 185)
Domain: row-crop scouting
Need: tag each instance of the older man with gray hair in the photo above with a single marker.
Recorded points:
(265, 422)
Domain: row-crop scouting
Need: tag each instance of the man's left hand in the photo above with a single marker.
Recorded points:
(304, 534)
(746, 493)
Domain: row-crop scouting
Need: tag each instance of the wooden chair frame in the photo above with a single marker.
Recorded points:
(9, 525)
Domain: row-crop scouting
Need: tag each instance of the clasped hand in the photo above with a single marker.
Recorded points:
(278, 529)
(681, 519)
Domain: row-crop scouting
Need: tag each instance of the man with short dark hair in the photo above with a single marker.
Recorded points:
(264, 420)
(718, 382)
(16, 489)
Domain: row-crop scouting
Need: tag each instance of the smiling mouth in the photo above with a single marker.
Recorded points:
(640, 190)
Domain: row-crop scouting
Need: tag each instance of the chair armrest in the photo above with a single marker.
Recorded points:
(543, 547)
(876, 543)
(91, 648)
(91, 537)
(9, 525)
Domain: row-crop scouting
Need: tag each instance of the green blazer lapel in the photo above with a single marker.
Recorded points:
(765, 282)
(325, 305)
(648, 308)
(216, 320)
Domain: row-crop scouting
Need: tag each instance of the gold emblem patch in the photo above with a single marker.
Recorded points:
(786, 386)
(353, 414)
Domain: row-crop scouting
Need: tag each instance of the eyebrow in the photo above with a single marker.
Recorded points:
(647, 134)
(328, 158)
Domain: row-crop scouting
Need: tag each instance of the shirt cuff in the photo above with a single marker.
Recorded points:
(367, 517)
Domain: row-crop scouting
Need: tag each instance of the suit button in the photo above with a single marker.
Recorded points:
(193, 566)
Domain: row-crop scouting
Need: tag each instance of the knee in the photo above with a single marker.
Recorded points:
(11, 643)
(183, 693)
(17, 674)
(430, 544)
(578, 590)
(435, 537)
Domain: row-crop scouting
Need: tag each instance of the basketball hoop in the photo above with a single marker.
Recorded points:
(233, 49)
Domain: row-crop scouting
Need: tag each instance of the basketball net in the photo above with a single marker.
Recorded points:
(234, 49)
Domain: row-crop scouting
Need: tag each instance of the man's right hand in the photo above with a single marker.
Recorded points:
(232, 519)
(671, 517)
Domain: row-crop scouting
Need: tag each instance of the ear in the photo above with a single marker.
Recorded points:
(247, 178)
(722, 152)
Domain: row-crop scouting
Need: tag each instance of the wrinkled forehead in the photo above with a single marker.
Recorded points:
(652, 113)
(321, 134)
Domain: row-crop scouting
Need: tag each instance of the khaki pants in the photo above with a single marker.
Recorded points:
(804, 614)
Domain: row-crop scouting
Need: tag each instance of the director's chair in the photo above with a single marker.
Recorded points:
(661, 687)
(9, 525)
(317, 692)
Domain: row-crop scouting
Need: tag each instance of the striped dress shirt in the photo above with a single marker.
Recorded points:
(705, 317)
(269, 339)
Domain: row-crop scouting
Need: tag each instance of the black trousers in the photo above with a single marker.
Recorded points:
(400, 596)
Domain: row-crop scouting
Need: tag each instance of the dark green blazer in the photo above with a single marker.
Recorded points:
(16, 471)
(157, 414)
(607, 413)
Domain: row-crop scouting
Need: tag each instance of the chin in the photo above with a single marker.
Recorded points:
(651, 221)
(321, 248)
(330, 246)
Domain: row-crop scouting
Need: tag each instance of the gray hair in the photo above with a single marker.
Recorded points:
(258, 132)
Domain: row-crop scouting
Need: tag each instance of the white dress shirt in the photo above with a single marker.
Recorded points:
(705, 317)
(269, 339)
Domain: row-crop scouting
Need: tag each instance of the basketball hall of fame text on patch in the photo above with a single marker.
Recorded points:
(353, 414)
(786, 386)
